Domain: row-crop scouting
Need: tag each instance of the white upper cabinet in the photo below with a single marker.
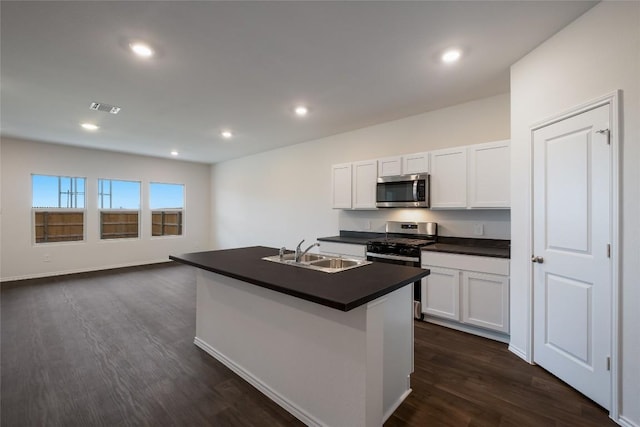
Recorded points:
(404, 165)
(341, 185)
(364, 179)
(468, 177)
(449, 178)
(488, 175)
(390, 166)
(415, 163)
(471, 177)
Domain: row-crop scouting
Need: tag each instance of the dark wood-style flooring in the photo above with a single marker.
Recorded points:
(115, 348)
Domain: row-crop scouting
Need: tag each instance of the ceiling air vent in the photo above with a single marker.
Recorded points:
(99, 106)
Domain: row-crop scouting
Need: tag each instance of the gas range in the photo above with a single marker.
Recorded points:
(402, 242)
(402, 245)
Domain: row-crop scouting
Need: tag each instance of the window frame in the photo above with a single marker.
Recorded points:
(123, 211)
(181, 211)
(59, 210)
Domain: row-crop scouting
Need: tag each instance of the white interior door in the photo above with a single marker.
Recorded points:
(572, 270)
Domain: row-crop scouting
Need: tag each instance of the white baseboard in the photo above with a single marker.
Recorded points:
(497, 336)
(81, 270)
(519, 352)
(289, 406)
(395, 405)
(625, 422)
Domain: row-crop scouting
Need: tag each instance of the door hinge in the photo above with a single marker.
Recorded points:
(608, 250)
(608, 363)
(607, 133)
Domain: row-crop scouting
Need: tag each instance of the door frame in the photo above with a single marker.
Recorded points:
(613, 100)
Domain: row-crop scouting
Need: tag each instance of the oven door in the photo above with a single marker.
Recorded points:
(410, 262)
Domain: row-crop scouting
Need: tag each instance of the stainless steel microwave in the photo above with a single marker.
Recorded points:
(403, 191)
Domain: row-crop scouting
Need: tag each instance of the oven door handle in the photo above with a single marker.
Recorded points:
(393, 257)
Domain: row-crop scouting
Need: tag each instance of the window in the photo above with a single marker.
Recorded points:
(58, 204)
(119, 204)
(167, 205)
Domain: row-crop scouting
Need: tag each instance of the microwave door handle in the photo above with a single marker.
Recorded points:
(415, 191)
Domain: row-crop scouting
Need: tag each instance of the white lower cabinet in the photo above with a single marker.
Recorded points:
(347, 250)
(485, 300)
(467, 292)
(440, 293)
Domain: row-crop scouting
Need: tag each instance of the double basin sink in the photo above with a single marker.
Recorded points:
(324, 263)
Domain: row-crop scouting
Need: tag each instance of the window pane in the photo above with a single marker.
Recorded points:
(166, 223)
(166, 196)
(57, 191)
(56, 226)
(118, 225)
(115, 194)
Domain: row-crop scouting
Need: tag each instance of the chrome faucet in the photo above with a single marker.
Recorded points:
(300, 253)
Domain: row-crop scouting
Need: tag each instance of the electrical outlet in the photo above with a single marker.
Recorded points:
(367, 225)
(478, 229)
(46, 258)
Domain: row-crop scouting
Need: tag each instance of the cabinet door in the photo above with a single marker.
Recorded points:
(449, 178)
(365, 176)
(489, 172)
(341, 186)
(485, 300)
(441, 293)
(415, 163)
(348, 250)
(390, 166)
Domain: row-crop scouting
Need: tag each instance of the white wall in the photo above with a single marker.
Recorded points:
(282, 196)
(454, 223)
(21, 258)
(593, 56)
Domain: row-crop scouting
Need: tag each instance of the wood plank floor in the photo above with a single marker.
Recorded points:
(116, 348)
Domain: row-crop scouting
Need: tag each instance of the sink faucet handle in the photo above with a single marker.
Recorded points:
(282, 250)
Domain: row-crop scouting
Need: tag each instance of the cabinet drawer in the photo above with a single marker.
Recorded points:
(345, 249)
(480, 264)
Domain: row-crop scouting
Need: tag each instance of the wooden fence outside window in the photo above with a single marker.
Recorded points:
(51, 226)
(166, 223)
(119, 225)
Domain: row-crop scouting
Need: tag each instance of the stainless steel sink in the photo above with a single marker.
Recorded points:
(338, 263)
(304, 258)
(324, 263)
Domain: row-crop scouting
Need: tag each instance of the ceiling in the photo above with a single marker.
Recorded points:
(244, 65)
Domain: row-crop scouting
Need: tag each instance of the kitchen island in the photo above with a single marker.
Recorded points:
(333, 349)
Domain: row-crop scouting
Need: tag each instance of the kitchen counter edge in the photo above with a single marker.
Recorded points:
(287, 279)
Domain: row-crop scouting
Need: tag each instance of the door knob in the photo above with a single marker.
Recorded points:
(537, 259)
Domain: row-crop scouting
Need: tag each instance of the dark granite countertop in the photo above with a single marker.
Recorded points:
(353, 237)
(466, 246)
(344, 291)
(457, 245)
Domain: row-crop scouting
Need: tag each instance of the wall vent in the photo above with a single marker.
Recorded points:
(101, 106)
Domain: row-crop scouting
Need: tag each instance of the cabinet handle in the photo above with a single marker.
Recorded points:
(537, 259)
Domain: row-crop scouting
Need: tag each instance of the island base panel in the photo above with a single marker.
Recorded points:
(324, 366)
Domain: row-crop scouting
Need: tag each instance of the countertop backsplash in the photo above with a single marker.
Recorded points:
(494, 224)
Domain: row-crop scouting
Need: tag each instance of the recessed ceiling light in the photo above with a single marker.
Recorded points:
(89, 126)
(141, 49)
(226, 134)
(451, 55)
(174, 153)
(301, 111)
